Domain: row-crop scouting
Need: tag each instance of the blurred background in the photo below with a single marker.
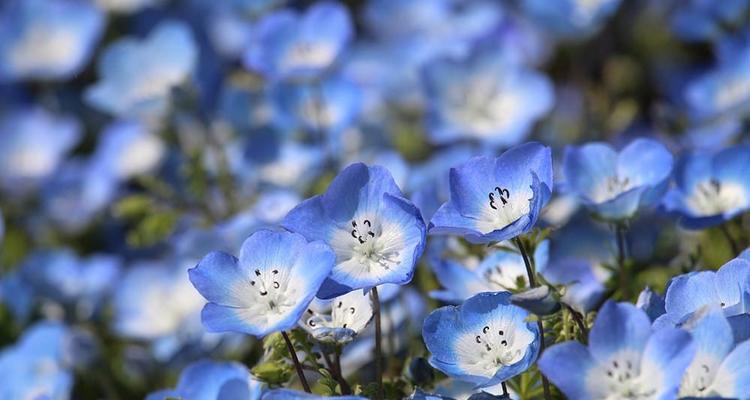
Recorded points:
(138, 135)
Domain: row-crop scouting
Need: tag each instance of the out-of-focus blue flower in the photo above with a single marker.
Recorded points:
(339, 320)
(719, 369)
(16, 296)
(496, 199)
(325, 107)
(484, 97)
(288, 45)
(279, 161)
(624, 358)
(486, 340)
(212, 380)
(47, 39)
(728, 288)
(126, 6)
(289, 394)
(500, 270)
(652, 303)
(126, 149)
(616, 185)
(39, 365)
(136, 75)
(723, 90)
(267, 289)
(697, 20)
(33, 142)
(710, 188)
(427, 184)
(377, 234)
(573, 19)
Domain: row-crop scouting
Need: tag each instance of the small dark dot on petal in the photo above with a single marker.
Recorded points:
(501, 332)
(504, 342)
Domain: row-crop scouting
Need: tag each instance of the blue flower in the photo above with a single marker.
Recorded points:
(616, 185)
(723, 90)
(697, 20)
(727, 288)
(211, 380)
(652, 303)
(127, 6)
(339, 320)
(624, 358)
(719, 369)
(496, 199)
(484, 341)
(33, 143)
(288, 45)
(136, 76)
(711, 189)
(267, 289)
(500, 270)
(376, 233)
(126, 149)
(289, 394)
(484, 97)
(47, 39)
(571, 18)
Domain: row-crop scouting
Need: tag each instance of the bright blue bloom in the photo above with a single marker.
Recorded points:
(484, 97)
(711, 189)
(137, 75)
(723, 90)
(212, 380)
(573, 19)
(496, 199)
(616, 185)
(652, 303)
(728, 288)
(267, 289)
(624, 358)
(33, 142)
(719, 369)
(279, 161)
(485, 341)
(126, 149)
(697, 20)
(39, 365)
(340, 319)
(47, 39)
(289, 394)
(288, 45)
(376, 233)
(500, 270)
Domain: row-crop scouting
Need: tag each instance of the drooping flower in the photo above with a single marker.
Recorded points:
(212, 380)
(486, 98)
(267, 289)
(624, 358)
(485, 340)
(47, 39)
(616, 185)
(496, 199)
(711, 189)
(288, 45)
(376, 233)
(136, 76)
(719, 368)
(339, 320)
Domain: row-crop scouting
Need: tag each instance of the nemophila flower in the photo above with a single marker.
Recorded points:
(500, 270)
(485, 340)
(727, 288)
(47, 39)
(624, 358)
(280, 161)
(33, 142)
(711, 189)
(212, 380)
(724, 90)
(267, 289)
(289, 394)
(376, 233)
(571, 18)
(426, 182)
(484, 97)
(136, 75)
(288, 45)
(340, 319)
(126, 149)
(698, 20)
(496, 199)
(719, 368)
(126, 6)
(616, 185)
(652, 303)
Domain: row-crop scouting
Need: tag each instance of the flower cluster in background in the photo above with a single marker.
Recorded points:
(382, 199)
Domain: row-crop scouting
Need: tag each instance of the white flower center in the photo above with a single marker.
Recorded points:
(308, 54)
(43, 46)
(492, 347)
(620, 378)
(368, 250)
(612, 187)
(699, 376)
(733, 92)
(506, 276)
(271, 292)
(503, 208)
(483, 106)
(713, 197)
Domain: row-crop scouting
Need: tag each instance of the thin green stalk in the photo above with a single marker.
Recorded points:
(620, 231)
(378, 342)
(297, 365)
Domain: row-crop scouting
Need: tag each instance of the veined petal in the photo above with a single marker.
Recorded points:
(618, 326)
(567, 365)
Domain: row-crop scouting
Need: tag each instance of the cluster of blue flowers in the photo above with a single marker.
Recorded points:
(374, 199)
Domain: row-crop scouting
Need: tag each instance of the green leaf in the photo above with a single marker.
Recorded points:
(275, 372)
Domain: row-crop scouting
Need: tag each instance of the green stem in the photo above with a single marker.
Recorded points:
(622, 244)
(378, 342)
(345, 388)
(297, 364)
(532, 283)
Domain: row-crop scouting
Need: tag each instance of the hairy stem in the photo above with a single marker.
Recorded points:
(297, 364)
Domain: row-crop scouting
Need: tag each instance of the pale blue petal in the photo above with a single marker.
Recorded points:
(566, 365)
(618, 326)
